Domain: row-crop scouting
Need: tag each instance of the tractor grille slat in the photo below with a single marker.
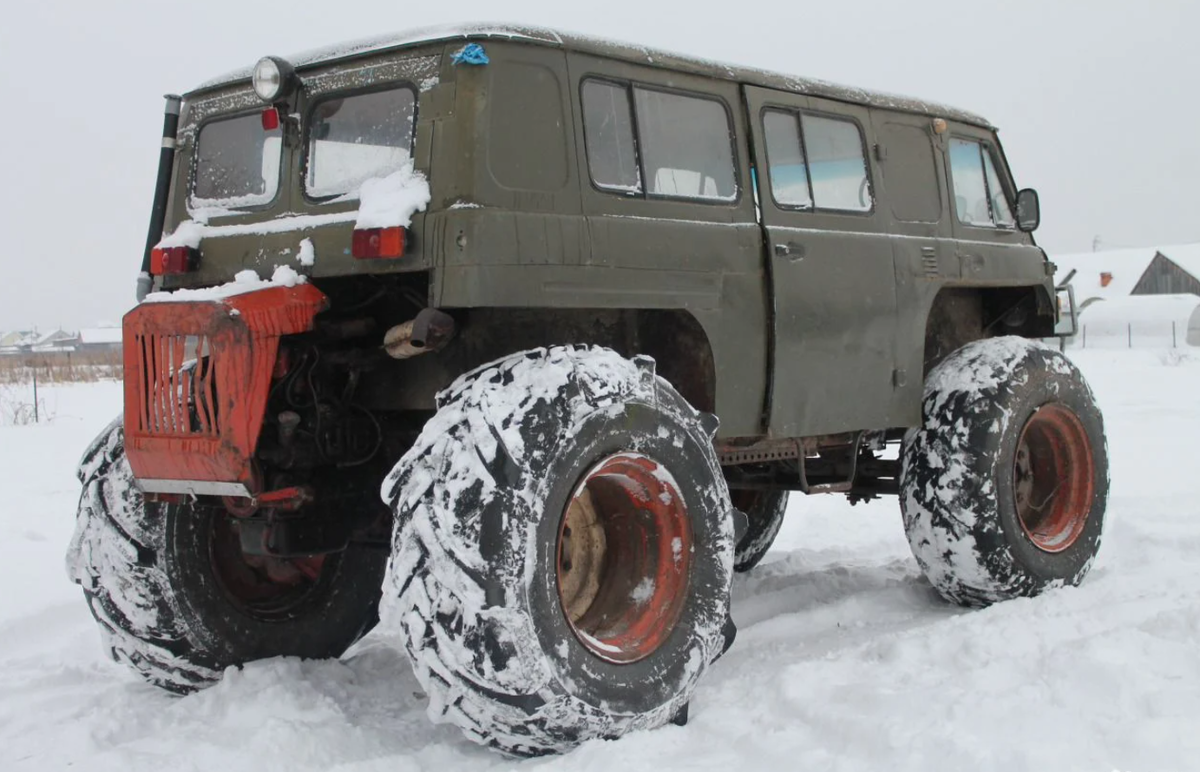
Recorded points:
(176, 375)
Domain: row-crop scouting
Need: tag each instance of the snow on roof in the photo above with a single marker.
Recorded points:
(95, 336)
(16, 338)
(602, 47)
(54, 337)
(1125, 267)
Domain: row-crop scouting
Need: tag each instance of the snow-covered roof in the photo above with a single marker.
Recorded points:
(16, 338)
(50, 338)
(1124, 266)
(601, 47)
(95, 336)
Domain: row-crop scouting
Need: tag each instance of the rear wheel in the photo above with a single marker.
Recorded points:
(178, 600)
(564, 551)
(764, 515)
(1004, 487)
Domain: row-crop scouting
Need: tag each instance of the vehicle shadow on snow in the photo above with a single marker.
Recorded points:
(793, 586)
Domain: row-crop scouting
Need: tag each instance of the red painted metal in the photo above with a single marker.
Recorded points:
(1054, 476)
(196, 380)
(641, 566)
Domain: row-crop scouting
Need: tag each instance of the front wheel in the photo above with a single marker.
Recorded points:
(1004, 487)
(178, 601)
(563, 552)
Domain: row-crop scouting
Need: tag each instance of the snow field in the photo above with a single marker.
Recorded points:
(845, 659)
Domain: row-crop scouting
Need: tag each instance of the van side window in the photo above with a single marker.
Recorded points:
(979, 197)
(816, 162)
(608, 128)
(789, 173)
(682, 147)
(686, 145)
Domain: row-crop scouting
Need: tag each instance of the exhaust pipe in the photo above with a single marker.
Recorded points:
(430, 331)
(158, 210)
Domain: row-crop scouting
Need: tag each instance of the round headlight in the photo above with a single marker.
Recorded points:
(273, 78)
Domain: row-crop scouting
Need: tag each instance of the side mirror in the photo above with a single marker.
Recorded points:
(1029, 212)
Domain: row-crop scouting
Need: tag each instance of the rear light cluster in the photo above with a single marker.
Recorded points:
(378, 242)
(270, 119)
(368, 243)
(167, 260)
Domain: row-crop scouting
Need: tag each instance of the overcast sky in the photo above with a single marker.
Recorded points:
(1096, 102)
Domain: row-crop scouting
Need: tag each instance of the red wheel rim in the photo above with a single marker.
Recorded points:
(624, 558)
(1053, 478)
(262, 586)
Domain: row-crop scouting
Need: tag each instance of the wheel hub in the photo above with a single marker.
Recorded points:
(1053, 478)
(624, 558)
(262, 586)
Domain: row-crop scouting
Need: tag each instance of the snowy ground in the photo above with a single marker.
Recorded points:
(845, 659)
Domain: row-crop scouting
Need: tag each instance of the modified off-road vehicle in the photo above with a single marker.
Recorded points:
(586, 313)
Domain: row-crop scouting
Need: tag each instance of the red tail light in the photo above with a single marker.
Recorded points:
(164, 260)
(270, 119)
(378, 242)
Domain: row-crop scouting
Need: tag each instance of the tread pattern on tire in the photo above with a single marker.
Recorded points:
(764, 523)
(113, 557)
(144, 578)
(480, 662)
(947, 492)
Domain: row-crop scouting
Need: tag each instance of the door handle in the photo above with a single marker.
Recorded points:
(790, 250)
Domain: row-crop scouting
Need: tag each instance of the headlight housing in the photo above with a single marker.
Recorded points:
(273, 79)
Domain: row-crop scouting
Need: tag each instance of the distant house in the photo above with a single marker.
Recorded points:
(1170, 270)
(100, 339)
(1135, 297)
(57, 342)
(17, 342)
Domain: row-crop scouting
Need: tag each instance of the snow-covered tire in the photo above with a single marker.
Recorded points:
(764, 514)
(165, 608)
(484, 502)
(1004, 487)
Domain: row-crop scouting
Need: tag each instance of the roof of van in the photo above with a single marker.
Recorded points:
(600, 47)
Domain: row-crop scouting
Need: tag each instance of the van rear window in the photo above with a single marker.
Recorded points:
(355, 138)
(237, 163)
(682, 148)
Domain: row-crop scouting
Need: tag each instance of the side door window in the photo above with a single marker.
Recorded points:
(650, 143)
(979, 197)
(816, 162)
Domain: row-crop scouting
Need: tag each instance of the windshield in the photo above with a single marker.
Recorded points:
(237, 163)
(356, 138)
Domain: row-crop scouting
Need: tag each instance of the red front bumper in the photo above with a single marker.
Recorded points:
(197, 377)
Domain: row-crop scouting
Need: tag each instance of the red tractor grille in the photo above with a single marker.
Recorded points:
(197, 376)
(178, 386)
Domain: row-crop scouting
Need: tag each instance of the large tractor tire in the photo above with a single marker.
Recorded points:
(764, 512)
(563, 551)
(1004, 487)
(178, 601)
